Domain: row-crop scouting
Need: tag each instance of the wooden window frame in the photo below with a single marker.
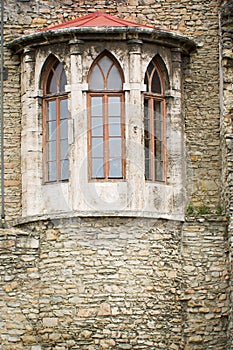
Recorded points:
(152, 97)
(57, 97)
(105, 94)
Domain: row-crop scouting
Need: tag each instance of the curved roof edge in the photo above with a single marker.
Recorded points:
(146, 34)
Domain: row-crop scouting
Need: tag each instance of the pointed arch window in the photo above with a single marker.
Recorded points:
(55, 122)
(154, 123)
(106, 124)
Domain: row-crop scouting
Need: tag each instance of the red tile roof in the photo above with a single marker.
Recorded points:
(97, 19)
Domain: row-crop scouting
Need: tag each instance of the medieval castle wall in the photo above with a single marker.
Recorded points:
(121, 282)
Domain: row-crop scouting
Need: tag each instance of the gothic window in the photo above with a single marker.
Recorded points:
(106, 126)
(55, 122)
(154, 123)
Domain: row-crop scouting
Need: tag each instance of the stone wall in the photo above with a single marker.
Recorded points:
(126, 283)
(121, 283)
(226, 94)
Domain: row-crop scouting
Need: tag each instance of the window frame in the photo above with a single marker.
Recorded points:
(57, 97)
(105, 94)
(153, 97)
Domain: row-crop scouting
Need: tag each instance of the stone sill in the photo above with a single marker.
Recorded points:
(89, 214)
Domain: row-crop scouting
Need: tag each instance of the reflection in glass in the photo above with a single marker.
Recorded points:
(64, 149)
(52, 84)
(64, 169)
(52, 110)
(63, 82)
(96, 80)
(114, 106)
(115, 168)
(97, 126)
(64, 108)
(147, 169)
(105, 63)
(64, 129)
(52, 171)
(58, 70)
(52, 149)
(97, 147)
(115, 147)
(114, 81)
(97, 168)
(156, 84)
(114, 126)
(52, 131)
(146, 82)
(96, 107)
(159, 170)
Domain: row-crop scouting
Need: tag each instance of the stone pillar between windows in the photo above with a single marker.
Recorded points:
(78, 125)
(175, 140)
(31, 176)
(134, 129)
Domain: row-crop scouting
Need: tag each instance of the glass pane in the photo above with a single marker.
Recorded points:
(97, 147)
(115, 147)
(64, 149)
(52, 171)
(114, 106)
(64, 113)
(147, 148)
(64, 169)
(52, 127)
(159, 176)
(115, 168)
(96, 80)
(146, 120)
(51, 84)
(52, 150)
(114, 80)
(97, 126)
(156, 84)
(105, 63)
(64, 129)
(150, 68)
(96, 107)
(147, 169)
(58, 68)
(51, 115)
(158, 126)
(63, 81)
(98, 168)
(114, 127)
(146, 82)
(158, 149)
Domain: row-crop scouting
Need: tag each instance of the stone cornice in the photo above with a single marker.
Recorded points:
(156, 36)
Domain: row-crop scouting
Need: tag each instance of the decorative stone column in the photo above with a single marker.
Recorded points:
(134, 128)
(31, 147)
(175, 139)
(78, 123)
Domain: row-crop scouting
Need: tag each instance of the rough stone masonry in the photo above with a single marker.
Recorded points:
(73, 281)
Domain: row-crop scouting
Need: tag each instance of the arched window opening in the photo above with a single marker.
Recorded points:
(154, 123)
(106, 125)
(55, 122)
